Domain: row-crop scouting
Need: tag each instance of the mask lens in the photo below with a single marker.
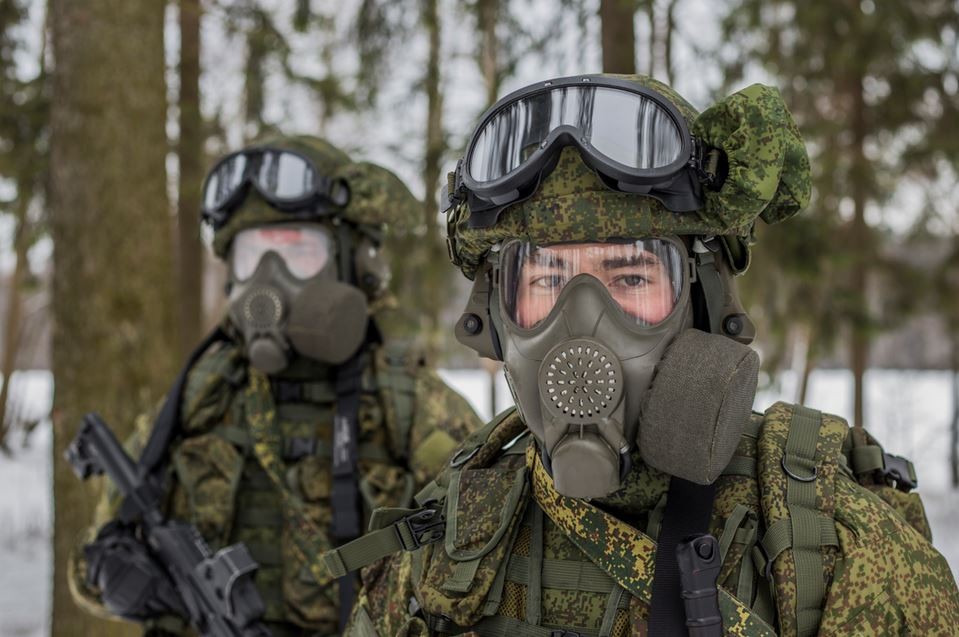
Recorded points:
(224, 181)
(643, 277)
(286, 176)
(600, 115)
(304, 251)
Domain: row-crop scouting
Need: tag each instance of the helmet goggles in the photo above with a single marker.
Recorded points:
(519, 140)
(287, 180)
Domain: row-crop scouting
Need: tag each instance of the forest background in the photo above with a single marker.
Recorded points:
(111, 111)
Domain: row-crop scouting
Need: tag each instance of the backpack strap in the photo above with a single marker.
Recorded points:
(396, 379)
(392, 530)
(800, 455)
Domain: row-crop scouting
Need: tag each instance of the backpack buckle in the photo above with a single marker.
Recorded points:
(899, 472)
(425, 527)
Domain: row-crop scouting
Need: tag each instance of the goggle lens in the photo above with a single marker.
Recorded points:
(644, 277)
(304, 251)
(285, 176)
(600, 116)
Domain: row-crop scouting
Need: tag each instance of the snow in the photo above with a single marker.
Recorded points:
(908, 411)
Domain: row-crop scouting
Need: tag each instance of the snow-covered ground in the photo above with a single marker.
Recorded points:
(908, 411)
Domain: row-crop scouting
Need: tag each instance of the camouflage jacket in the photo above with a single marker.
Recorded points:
(518, 558)
(253, 463)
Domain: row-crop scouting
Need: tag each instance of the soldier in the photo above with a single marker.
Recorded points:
(632, 490)
(297, 369)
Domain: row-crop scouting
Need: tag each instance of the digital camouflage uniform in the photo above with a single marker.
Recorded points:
(838, 551)
(253, 460)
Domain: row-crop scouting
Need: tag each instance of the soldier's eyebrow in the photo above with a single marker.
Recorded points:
(545, 260)
(644, 258)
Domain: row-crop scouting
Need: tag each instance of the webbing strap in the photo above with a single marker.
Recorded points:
(867, 458)
(395, 530)
(688, 509)
(534, 588)
(617, 599)
(819, 531)
(805, 523)
(167, 423)
(345, 492)
(568, 575)
(461, 581)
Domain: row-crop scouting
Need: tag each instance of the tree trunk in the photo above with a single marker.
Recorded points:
(670, 28)
(487, 19)
(618, 36)
(113, 335)
(11, 326)
(859, 245)
(190, 155)
(435, 267)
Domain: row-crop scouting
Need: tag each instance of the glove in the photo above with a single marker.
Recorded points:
(132, 584)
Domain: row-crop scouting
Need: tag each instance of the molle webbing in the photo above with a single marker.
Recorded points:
(800, 453)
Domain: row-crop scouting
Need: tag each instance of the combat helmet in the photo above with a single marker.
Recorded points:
(361, 200)
(745, 161)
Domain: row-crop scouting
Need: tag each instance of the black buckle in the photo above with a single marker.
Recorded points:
(426, 527)
(287, 392)
(295, 448)
(896, 470)
(565, 633)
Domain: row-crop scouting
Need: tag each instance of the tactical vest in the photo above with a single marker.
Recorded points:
(273, 495)
(499, 552)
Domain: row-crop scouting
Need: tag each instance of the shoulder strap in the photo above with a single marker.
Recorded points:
(800, 455)
(396, 378)
(167, 423)
(394, 530)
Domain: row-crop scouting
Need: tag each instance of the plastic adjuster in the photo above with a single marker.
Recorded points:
(900, 472)
(425, 527)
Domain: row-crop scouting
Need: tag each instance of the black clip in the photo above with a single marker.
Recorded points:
(425, 527)
(899, 471)
(287, 392)
(565, 633)
(297, 448)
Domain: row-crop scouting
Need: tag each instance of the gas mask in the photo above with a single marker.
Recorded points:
(286, 298)
(586, 331)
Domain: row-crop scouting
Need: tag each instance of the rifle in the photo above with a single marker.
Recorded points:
(217, 590)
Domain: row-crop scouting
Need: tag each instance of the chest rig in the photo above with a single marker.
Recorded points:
(256, 464)
(497, 551)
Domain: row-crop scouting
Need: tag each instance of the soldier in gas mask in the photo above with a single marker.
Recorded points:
(632, 490)
(296, 419)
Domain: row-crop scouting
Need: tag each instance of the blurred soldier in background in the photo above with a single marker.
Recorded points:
(294, 420)
(632, 490)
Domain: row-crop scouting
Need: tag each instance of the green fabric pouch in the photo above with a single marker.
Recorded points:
(209, 468)
(483, 507)
(768, 167)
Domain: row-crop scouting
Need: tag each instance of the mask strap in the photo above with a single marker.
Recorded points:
(707, 273)
(345, 254)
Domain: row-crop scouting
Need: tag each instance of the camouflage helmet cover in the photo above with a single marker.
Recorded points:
(377, 196)
(768, 177)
